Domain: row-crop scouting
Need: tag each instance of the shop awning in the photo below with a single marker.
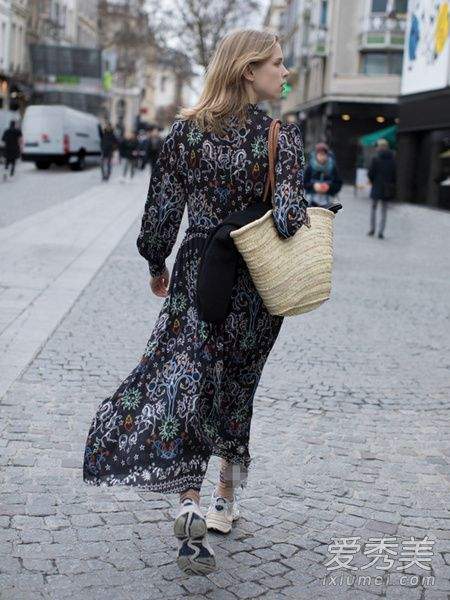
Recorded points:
(388, 133)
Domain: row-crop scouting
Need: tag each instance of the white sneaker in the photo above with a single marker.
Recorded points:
(195, 555)
(222, 513)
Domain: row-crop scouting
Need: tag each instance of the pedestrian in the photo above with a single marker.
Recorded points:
(129, 152)
(109, 144)
(322, 180)
(12, 138)
(382, 176)
(153, 147)
(191, 395)
(142, 150)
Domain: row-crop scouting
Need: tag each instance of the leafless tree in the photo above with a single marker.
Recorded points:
(198, 25)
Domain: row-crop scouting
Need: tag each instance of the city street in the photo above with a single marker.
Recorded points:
(31, 190)
(350, 431)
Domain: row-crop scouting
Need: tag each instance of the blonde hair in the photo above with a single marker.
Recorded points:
(224, 92)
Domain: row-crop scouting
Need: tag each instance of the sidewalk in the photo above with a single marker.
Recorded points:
(48, 259)
(350, 437)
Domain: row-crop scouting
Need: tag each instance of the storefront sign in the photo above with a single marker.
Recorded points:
(426, 59)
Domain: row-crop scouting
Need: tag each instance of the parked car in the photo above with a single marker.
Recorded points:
(61, 135)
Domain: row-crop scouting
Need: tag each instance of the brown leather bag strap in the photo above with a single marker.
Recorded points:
(272, 145)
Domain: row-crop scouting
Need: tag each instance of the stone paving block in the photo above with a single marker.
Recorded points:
(246, 559)
(247, 590)
(221, 579)
(400, 593)
(266, 554)
(274, 568)
(275, 582)
(150, 516)
(15, 594)
(198, 585)
(47, 567)
(220, 594)
(246, 574)
(35, 535)
(10, 564)
(431, 594)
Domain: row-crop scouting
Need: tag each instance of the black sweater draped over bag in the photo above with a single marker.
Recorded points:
(218, 264)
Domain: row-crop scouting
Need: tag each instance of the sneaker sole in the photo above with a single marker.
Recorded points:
(189, 525)
(189, 561)
(214, 524)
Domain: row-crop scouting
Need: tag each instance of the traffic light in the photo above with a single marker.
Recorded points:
(287, 88)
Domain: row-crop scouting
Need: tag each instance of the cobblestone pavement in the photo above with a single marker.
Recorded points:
(350, 438)
(31, 190)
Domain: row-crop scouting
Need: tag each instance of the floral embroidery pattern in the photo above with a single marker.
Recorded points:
(259, 147)
(191, 395)
(130, 399)
(194, 136)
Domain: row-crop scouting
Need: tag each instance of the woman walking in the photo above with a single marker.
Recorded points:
(191, 395)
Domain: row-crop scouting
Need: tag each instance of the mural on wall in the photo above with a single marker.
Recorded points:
(426, 60)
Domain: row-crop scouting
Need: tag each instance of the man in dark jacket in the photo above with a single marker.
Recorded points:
(11, 138)
(382, 175)
(128, 149)
(108, 145)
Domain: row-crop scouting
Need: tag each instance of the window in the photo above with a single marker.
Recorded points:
(401, 6)
(396, 63)
(306, 30)
(19, 46)
(2, 43)
(12, 47)
(379, 6)
(323, 13)
(66, 60)
(381, 63)
(374, 63)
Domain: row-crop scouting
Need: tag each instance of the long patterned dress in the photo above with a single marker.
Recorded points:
(191, 395)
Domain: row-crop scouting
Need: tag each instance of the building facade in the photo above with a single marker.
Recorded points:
(424, 109)
(64, 54)
(345, 62)
(87, 23)
(273, 22)
(98, 56)
(13, 56)
(5, 8)
(126, 40)
(169, 75)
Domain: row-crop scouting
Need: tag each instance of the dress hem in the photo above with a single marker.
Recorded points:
(172, 487)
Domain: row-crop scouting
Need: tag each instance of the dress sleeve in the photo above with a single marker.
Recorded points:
(289, 201)
(164, 206)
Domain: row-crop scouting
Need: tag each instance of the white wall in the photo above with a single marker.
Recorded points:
(86, 17)
(164, 88)
(5, 10)
(17, 36)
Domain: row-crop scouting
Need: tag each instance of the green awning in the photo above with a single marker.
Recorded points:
(388, 133)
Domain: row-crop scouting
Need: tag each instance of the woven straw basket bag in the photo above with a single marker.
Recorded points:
(292, 275)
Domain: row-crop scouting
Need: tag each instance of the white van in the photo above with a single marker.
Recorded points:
(61, 135)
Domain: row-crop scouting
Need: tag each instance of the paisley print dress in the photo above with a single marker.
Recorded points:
(191, 395)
